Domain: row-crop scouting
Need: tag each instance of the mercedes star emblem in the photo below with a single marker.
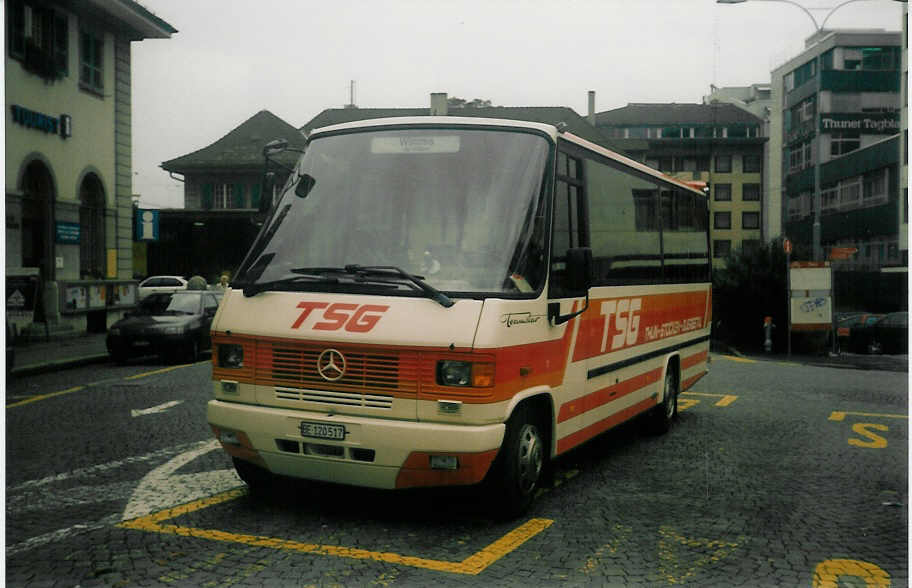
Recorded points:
(331, 365)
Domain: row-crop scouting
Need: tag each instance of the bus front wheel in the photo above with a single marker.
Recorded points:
(520, 464)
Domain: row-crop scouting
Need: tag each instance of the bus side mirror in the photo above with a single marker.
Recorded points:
(269, 179)
(579, 270)
(578, 278)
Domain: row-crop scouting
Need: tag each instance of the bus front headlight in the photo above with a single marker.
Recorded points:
(230, 355)
(465, 373)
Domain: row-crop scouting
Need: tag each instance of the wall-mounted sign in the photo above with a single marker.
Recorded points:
(67, 233)
(866, 123)
(59, 125)
(146, 225)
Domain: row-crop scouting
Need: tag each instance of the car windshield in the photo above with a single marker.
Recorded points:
(461, 209)
(170, 303)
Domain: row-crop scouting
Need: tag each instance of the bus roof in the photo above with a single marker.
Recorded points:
(549, 130)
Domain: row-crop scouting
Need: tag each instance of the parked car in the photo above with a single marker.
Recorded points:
(161, 284)
(170, 324)
(846, 322)
(891, 333)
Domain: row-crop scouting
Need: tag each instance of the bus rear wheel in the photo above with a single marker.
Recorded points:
(518, 470)
(664, 413)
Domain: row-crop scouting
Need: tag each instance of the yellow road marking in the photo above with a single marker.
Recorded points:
(739, 359)
(83, 387)
(685, 403)
(829, 573)
(472, 565)
(840, 415)
(155, 372)
(725, 399)
(44, 396)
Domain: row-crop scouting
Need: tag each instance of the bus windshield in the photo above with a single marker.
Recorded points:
(461, 209)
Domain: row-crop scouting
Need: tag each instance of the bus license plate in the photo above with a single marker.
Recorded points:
(323, 431)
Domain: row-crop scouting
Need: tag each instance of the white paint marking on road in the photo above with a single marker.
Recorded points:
(112, 465)
(59, 535)
(161, 489)
(155, 409)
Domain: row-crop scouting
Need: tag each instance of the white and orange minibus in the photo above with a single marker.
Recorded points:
(448, 301)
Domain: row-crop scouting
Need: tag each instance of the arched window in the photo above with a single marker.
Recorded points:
(38, 219)
(92, 229)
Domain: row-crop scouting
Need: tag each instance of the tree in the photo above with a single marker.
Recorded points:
(454, 102)
(751, 286)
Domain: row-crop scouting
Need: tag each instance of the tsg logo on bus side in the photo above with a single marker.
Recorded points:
(355, 318)
(626, 321)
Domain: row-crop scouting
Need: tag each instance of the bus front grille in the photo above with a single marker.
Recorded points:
(363, 376)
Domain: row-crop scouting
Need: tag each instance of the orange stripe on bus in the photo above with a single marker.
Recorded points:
(656, 319)
(602, 397)
(686, 384)
(471, 469)
(574, 439)
(689, 362)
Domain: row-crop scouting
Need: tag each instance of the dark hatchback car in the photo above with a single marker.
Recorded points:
(891, 333)
(847, 323)
(173, 325)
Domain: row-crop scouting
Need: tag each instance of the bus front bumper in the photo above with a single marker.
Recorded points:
(375, 453)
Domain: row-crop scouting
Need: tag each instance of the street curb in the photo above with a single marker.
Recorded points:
(50, 366)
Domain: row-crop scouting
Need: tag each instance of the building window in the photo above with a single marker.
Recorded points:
(722, 220)
(844, 142)
(222, 196)
(876, 185)
(91, 62)
(636, 133)
(721, 248)
(38, 37)
(750, 192)
(750, 220)
(723, 163)
(752, 163)
(723, 192)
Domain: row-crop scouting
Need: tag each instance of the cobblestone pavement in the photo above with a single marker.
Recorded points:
(775, 474)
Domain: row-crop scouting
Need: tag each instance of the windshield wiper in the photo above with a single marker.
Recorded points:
(432, 292)
(256, 288)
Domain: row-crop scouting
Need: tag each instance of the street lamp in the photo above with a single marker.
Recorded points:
(818, 252)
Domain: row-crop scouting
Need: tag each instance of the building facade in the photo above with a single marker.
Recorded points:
(835, 141)
(69, 217)
(719, 145)
(223, 194)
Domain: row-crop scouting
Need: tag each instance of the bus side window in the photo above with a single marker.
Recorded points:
(624, 218)
(569, 220)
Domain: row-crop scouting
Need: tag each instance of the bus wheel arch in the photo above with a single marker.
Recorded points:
(521, 464)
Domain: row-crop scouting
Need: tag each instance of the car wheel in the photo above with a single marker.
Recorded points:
(119, 357)
(518, 469)
(663, 414)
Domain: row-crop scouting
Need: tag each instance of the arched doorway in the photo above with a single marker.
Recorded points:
(38, 219)
(92, 230)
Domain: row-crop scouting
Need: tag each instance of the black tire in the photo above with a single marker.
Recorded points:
(259, 481)
(119, 357)
(518, 470)
(662, 415)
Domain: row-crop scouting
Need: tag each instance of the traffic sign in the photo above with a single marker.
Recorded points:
(787, 246)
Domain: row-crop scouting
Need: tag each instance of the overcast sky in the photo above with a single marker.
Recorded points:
(233, 58)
